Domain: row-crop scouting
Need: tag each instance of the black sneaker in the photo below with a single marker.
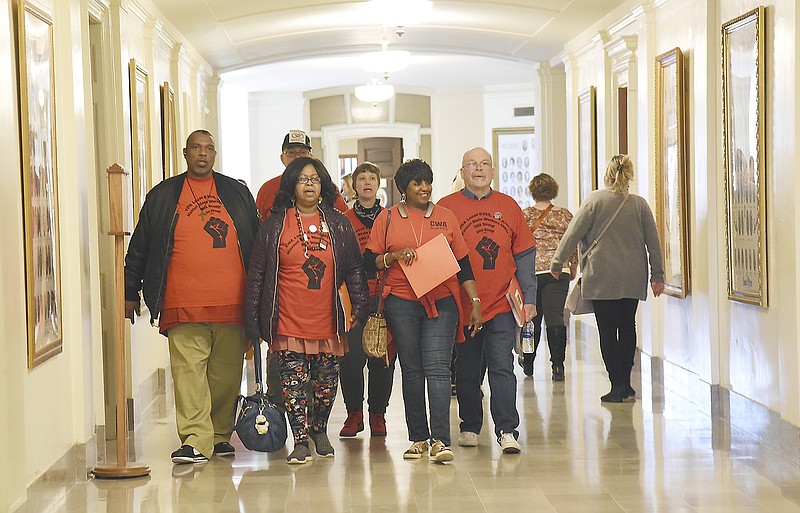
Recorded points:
(224, 449)
(187, 454)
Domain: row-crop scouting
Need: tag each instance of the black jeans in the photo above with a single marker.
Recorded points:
(351, 374)
(616, 322)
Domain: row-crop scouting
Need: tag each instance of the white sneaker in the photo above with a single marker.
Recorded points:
(509, 444)
(468, 439)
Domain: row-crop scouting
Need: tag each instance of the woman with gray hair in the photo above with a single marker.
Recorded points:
(618, 231)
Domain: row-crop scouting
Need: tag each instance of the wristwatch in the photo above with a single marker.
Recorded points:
(475, 299)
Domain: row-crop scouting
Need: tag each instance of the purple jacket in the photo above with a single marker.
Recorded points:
(261, 306)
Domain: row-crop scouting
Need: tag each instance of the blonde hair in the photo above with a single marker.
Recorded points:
(619, 173)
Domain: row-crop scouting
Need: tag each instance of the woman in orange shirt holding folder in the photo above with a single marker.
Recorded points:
(423, 328)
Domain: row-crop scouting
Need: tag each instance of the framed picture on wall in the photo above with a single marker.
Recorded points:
(516, 161)
(40, 184)
(671, 170)
(587, 143)
(169, 134)
(140, 135)
(743, 143)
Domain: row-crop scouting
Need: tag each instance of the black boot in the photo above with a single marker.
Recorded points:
(617, 395)
(527, 363)
(557, 340)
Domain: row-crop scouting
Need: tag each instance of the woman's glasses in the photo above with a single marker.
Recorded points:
(309, 179)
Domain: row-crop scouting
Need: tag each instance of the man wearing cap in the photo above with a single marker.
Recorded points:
(295, 144)
(501, 248)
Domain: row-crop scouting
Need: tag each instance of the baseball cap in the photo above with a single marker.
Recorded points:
(296, 138)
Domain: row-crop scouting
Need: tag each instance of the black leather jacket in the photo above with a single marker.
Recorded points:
(261, 293)
(150, 248)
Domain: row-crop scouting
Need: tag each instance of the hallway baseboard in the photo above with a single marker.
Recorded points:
(749, 430)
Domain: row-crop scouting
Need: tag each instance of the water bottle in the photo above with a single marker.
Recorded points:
(527, 338)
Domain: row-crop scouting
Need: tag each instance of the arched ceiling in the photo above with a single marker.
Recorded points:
(291, 45)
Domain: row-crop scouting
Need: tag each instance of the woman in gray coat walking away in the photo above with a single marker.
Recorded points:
(615, 272)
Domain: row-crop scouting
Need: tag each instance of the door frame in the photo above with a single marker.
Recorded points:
(332, 135)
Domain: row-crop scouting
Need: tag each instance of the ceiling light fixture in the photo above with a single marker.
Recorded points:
(374, 91)
(385, 61)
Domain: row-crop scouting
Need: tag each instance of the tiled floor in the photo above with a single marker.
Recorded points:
(659, 454)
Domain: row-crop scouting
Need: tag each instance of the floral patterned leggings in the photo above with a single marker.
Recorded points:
(297, 371)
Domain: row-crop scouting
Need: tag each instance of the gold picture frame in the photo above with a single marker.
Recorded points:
(516, 161)
(169, 135)
(743, 123)
(40, 183)
(587, 143)
(140, 135)
(671, 172)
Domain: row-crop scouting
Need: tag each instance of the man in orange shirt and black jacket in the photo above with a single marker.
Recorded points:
(189, 255)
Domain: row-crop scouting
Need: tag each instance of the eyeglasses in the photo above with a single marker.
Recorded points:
(294, 153)
(475, 165)
(309, 179)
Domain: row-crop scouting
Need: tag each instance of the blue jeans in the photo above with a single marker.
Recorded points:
(424, 347)
(496, 342)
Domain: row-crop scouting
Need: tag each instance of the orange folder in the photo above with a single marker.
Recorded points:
(435, 263)
(514, 296)
(344, 296)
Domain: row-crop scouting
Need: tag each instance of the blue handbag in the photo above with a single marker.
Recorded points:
(257, 421)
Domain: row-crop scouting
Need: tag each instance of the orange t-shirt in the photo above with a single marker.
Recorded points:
(495, 230)
(205, 278)
(415, 231)
(266, 197)
(306, 285)
(362, 232)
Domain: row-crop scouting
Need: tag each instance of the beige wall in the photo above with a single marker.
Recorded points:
(749, 349)
(49, 409)
(12, 307)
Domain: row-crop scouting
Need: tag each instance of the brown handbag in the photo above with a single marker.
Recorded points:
(375, 338)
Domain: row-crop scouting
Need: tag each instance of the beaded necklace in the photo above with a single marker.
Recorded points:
(322, 245)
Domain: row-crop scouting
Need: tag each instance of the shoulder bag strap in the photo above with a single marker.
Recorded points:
(541, 218)
(257, 365)
(382, 274)
(600, 236)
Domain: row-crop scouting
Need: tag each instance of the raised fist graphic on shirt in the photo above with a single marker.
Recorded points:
(218, 229)
(315, 270)
(487, 248)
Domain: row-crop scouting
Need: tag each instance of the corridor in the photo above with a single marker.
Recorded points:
(662, 453)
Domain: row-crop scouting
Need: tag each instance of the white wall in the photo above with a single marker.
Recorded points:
(271, 118)
(233, 141)
(452, 134)
(751, 350)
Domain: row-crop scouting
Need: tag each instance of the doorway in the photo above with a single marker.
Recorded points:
(98, 41)
(387, 154)
(622, 120)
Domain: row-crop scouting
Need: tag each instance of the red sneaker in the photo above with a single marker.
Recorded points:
(377, 424)
(353, 424)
